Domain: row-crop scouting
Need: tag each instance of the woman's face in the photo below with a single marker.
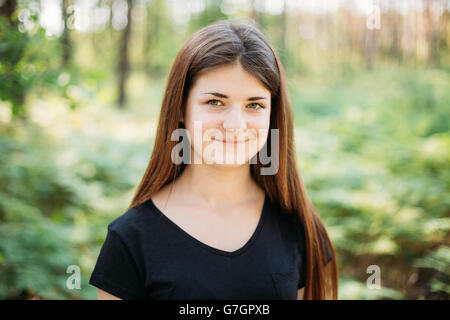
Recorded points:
(227, 116)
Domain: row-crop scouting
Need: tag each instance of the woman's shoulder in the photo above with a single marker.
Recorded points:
(288, 222)
(134, 220)
(288, 218)
(294, 228)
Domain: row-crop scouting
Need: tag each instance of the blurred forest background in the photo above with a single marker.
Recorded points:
(81, 84)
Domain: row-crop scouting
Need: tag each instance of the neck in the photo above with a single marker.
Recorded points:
(218, 185)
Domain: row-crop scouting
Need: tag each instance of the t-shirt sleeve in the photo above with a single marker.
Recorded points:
(302, 279)
(115, 271)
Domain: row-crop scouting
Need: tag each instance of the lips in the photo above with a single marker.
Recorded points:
(230, 141)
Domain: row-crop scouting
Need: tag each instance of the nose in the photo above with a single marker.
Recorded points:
(234, 120)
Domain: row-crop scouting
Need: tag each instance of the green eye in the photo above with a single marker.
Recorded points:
(213, 104)
(218, 103)
(257, 104)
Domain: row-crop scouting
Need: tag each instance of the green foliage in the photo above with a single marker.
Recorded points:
(439, 261)
(375, 151)
(34, 247)
(23, 64)
(210, 14)
(350, 289)
(54, 207)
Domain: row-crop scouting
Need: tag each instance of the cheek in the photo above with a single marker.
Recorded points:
(197, 122)
(202, 125)
(196, 112)
(259, 124)
(262, 138)
(262, 128)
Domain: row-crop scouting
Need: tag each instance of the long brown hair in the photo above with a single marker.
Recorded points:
(226, 42)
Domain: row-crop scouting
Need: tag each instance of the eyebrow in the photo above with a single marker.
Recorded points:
(221, 95)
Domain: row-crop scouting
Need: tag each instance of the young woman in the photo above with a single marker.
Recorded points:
(229, 222)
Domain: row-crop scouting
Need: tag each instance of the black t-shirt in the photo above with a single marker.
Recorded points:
(147, 256)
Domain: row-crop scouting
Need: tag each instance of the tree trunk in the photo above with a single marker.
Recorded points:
(7, 9)
(123, 58)
(432, 35)
(283, 35)
(254, 15)
(370, 47)
(17, 97)
(65, 38)
(148, 40)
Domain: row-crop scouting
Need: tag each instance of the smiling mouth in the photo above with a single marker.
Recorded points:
(231, 142)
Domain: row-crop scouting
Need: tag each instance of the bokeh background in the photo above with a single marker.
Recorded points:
(81, 85)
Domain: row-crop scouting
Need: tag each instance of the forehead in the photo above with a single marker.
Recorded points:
(231, 80)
